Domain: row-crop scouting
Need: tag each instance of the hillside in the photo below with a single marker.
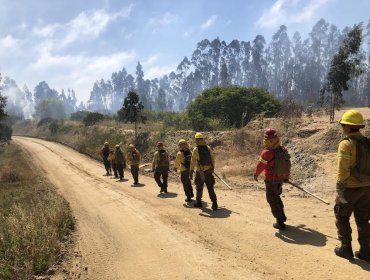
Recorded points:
(312, 143)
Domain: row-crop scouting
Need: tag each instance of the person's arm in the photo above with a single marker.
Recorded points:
(154, 162)
(262, 164)
(178, 160)
(344, 161)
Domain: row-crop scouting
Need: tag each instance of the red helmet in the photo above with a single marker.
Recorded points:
(270, 133)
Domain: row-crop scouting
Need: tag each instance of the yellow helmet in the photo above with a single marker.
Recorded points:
(352, 117)
(106, 144)
(198, 135)
(131, 146)
(182, 141)
(118, 146)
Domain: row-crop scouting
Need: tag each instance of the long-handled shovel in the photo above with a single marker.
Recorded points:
(306, 191)
(227, 185)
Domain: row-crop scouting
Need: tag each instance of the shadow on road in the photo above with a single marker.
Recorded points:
(364, 265)
(121, 181)
(222, 212)
(302, 235)
(167, 195)
(139, 185)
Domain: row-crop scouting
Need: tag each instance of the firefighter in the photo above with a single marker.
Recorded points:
(104, 153)
(133, 159)
(353, 186)
(203, 162)
(120, 161)
(160, 167)
(112, 161)
(182, 163)
(274, 160)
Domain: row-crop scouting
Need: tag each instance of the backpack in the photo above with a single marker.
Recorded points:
(204, 156)
(105, 151)
(362, 167)
(119, 156)
(282, 163)
(134, 156)
(163, 158)
(187, 159)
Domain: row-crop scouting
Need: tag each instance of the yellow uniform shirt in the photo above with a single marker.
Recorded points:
(347, 161)
(131, 160)
(194, 165)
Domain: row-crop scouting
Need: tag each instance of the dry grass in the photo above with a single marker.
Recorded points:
(34, 219)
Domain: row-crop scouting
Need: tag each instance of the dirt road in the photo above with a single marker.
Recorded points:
(127, 232)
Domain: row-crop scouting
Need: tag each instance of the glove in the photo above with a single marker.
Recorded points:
(191, 174)
(255, 177)
(286, 180)
(175, 169)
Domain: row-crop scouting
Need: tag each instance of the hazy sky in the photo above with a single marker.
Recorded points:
(70, 44)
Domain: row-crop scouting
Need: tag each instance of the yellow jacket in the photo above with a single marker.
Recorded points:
(347, 161)
(194, 165)
(131, 160)
(180, 161)
(157, 159)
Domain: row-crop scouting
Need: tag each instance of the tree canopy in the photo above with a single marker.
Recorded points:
(233, 105)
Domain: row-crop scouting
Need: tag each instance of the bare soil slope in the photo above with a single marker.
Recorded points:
(127, 232)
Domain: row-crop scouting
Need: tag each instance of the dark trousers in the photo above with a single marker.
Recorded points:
(114, 167)
(209, 180)
(273, 192)
(135, 173)
(107, 165)
(186, 183)
(356, 200)
(120, 170)
(161, 171)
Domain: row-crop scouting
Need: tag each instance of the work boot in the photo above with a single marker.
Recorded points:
(279, 224)
(344, 251)
(198, 204)
(165, 189)
(188, 199)
(214, 205)
(162, 190)
(364, 253)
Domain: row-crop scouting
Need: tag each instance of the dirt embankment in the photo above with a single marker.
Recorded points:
(310, 141)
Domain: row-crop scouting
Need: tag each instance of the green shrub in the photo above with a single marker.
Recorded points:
(92, 118)
(53, 127)
(5, 132)
(78, 116)
(234, 106)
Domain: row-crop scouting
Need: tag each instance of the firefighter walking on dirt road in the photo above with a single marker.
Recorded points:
(353, 186)
(203, 162)
(182, 163)
(275, 161)
(133, 159)
(161, 167)
(120, 161)
(104, 153)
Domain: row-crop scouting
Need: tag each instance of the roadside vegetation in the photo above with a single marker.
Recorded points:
(34, 219)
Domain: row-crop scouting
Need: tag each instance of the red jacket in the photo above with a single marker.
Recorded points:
(266, 163)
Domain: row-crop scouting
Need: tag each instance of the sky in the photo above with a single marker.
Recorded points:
(73, 43)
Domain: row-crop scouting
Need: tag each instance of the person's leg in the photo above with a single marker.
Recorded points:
(135, 173)
(165, 178)
(157, 178)
(199, 182)
(210, 183)
(361, 213)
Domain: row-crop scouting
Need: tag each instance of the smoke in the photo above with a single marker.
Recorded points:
(19, 102)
